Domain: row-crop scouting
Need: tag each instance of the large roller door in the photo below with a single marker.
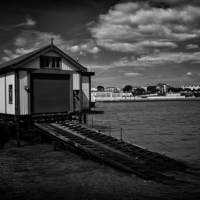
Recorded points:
(51, 93)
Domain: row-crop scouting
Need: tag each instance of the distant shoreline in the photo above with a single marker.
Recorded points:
(150, 100)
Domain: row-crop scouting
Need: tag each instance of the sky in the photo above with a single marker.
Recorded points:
(125, 42)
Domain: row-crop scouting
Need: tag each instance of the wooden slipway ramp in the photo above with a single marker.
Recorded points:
(120, 154)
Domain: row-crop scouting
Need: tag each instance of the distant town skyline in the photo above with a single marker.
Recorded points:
(137, 42)
(137, 86)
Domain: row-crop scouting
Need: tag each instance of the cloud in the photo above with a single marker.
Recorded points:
(189, 74)
(132, 74)
(20, 41)
(83, 48)
(158, 59)
(98, 66)
(36, 39)
(192, 46)
(140, 28)
(16, 53)
(9, 55)
(129, 73)
(22, 51)
(192, 75)
(28, 41)
(124, 62)
(169, 59)
(29, 23)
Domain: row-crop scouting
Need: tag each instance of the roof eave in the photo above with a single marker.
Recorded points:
(88, 73)
(6, 69)
(23, 62)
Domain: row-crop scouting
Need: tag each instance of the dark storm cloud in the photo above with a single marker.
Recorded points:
(165, 3)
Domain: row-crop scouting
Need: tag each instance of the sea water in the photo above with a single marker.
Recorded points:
(173, 127)
(170, 127)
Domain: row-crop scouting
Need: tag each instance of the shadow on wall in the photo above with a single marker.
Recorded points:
(86, 101)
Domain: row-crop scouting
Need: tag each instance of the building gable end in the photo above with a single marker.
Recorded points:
(67, 63)
(23, 60)
(64, 65)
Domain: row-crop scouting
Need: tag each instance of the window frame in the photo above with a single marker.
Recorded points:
(10, 94)
(50, 62)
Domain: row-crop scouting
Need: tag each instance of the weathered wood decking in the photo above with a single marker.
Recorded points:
(120, 154)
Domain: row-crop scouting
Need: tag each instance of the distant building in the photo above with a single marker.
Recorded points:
(191, 87)
(163, 87)
(93, 89)
(111, 96)
(111, 89)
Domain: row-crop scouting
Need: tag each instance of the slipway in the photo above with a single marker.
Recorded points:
(120, 154)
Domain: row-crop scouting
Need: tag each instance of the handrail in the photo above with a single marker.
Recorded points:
(103, 126)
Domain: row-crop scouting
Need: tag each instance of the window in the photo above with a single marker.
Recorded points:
(10, 92)
(50, 62)
(98, 95)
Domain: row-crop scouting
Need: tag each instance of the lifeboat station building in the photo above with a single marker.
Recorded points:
(44, 84)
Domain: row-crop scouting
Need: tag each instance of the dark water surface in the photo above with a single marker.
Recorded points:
(38, 172)
(171, 126)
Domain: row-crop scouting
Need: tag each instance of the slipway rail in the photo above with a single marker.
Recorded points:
(120, 154)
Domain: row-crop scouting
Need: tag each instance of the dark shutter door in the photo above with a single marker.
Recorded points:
(51, 93)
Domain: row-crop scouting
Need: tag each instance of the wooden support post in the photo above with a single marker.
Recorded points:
(18, 133)
(29, 124)
(85, 119)
(6, 135)
(80, 118)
